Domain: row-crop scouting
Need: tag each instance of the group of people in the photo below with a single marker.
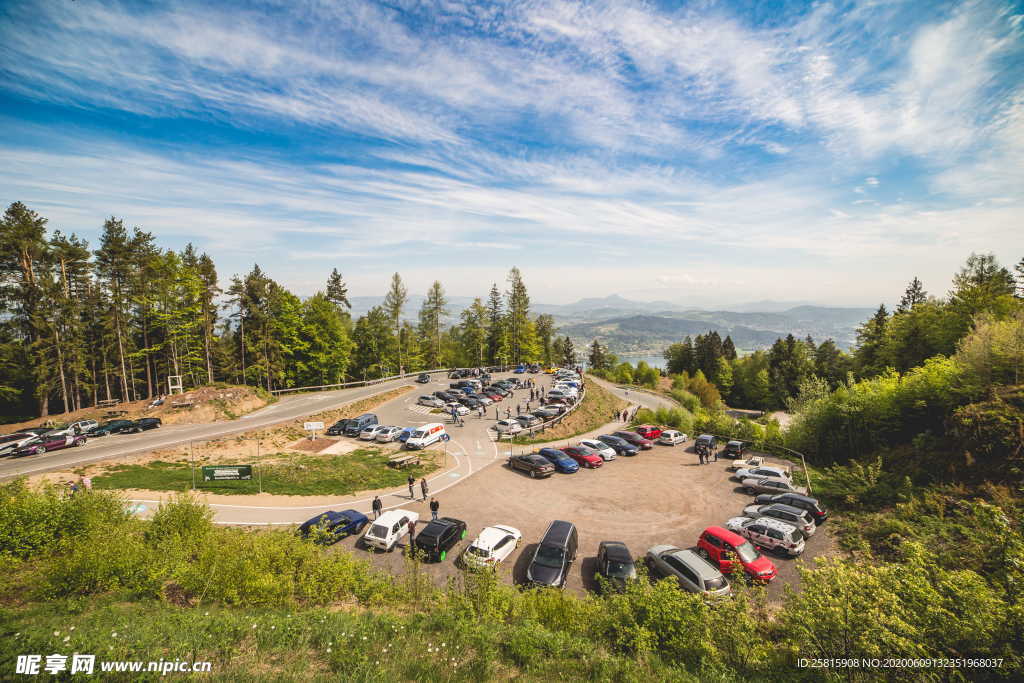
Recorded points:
(626, 414)
(378, 507)
(83, 484)
(704, 455)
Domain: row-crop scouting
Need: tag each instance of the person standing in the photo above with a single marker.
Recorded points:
(700, 456)
(411, 481)
(424, 488)
(378, 506)
(87, 483)
(434, 505)
(412, 531)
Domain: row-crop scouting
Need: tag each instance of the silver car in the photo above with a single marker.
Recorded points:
(765, 472)
(753, 486)
(430, 401)
(801, 519)
(769, 532)
(690, 570)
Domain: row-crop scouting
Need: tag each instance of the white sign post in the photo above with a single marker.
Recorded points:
(313, 428)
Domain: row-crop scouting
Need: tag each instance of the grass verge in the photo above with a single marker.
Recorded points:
(285, 475)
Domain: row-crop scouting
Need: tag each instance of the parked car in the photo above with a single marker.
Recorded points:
(493, 395)
(387, 434)
(430, 401)
(801, 519)
(620, 446)
(705, 443)
(484, 399)
(470, 402)
(39, 431)
(763, 485)
(12, 442)
(528, 420)
(423, 378)
(584, 457)
(356, 425)
(404, 435)
(426, 435)
(650, 432)
(144, 424)
(520, 370)
(691, 571)
(334, 525)
(389, 528)
(338, 428)
(554, 555)
(492, 546)
(555, 393)
(615, 563)
(445, 396)
(546, 412)
(439, 536)
(79, 427)
(112, 427)
(46, 442)
(811, 505)
(635, 439)
(562, 462)
(508, 426)
(736, 449)
(764, 471)
(766, 532)
(457, 407)
(600, 447)
(671, 437)
(724, 548)
(748, 464)
(370, 432)
(532, 464)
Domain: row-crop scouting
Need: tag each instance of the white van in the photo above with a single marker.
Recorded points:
(426, 435)
(385, 531)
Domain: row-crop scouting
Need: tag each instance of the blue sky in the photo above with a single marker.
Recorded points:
(706, 153)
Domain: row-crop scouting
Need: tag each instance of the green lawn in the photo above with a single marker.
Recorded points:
(297, 475)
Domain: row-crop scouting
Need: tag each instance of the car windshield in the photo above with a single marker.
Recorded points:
(419, 434)
(620, 570)
(479, 552)
(714, 584)
(746, 552)
(549, 556)
(378, 531)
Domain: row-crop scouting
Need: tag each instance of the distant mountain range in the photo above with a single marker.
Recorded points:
(649, 326)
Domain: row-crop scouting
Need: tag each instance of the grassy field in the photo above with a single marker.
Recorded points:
(283, 474)
(598, 408)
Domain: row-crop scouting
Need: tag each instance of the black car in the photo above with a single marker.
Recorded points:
(145, 423)
(621, 446)
(499, 390)
(528, 420)
(615, 563)
(811, 505)
(423, 378)
(334, 525)
(448, 396)
(735, 449)
(554, 555)
(440, 536)
(634, 439)
(338, 428)
(547, 412)
(113, 427)
(470, 402)
(533, 464)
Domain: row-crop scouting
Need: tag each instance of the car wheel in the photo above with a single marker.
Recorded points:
(81, 442)
(533, 474)
(39, 449)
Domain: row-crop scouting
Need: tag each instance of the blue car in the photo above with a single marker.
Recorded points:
(336, 525)
(404, 435)
(562, 462)
(520, 370)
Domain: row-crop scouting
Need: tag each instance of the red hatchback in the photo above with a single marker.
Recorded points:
(648, 431)
(586, 457)
(723, 549)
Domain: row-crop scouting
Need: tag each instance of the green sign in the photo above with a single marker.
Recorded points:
(227, 472)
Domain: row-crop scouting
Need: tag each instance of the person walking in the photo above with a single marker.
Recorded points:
(411, 481)
(424, 488)
(378, 506)
(700, 456)
(412, 531)
(434, 505)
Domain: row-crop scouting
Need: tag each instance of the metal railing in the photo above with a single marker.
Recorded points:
(547, 424)
(379, 380)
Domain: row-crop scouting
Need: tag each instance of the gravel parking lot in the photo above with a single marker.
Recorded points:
(660, 496)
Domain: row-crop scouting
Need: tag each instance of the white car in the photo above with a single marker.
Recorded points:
(388, 434)
(801, 519)
(492, 546)
(508, 426)
(671, 437)
(768, 532)
(555, 393)
(80, 427)
(385, 531)
(430, 401)
(762, 472)
(484, 400)
(750, 463)
(604, 450)
(370, 433)
(458, 407)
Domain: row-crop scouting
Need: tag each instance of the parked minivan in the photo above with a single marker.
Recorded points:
(356, 425)
(554, 555)
(426, 435)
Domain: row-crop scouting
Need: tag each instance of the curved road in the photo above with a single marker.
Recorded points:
(121, 445)
(643, 398)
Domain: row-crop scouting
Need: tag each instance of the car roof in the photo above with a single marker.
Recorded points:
(775, 523)
(558, 532)
(726, 535)
(436, 526)
(697, 563)
(786, 508)
(491, 535)
(392, 516)
(617, 551)
(792, 495)
(552, 451)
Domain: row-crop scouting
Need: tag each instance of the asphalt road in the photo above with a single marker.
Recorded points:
(121, 445)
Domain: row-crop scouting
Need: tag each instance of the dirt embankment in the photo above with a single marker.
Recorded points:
(599, 407)
(198, 406)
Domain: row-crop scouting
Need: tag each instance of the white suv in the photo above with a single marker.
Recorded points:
(385, 531)
(769, 533)
(801, 519)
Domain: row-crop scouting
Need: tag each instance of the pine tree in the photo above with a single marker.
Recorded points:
(729, 348)
(522, 337)
(545, 325)
(337, 291)
(472, 334)
(870, 340)
(394, 302)
(913, 296)
(495, 324)
(431, 318)
(1020, 278)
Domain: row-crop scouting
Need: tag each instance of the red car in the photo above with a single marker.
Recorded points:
(494, 396)
(586, 457)
(50, 442)
(636, 440)
(649, 431)
(723, 549)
